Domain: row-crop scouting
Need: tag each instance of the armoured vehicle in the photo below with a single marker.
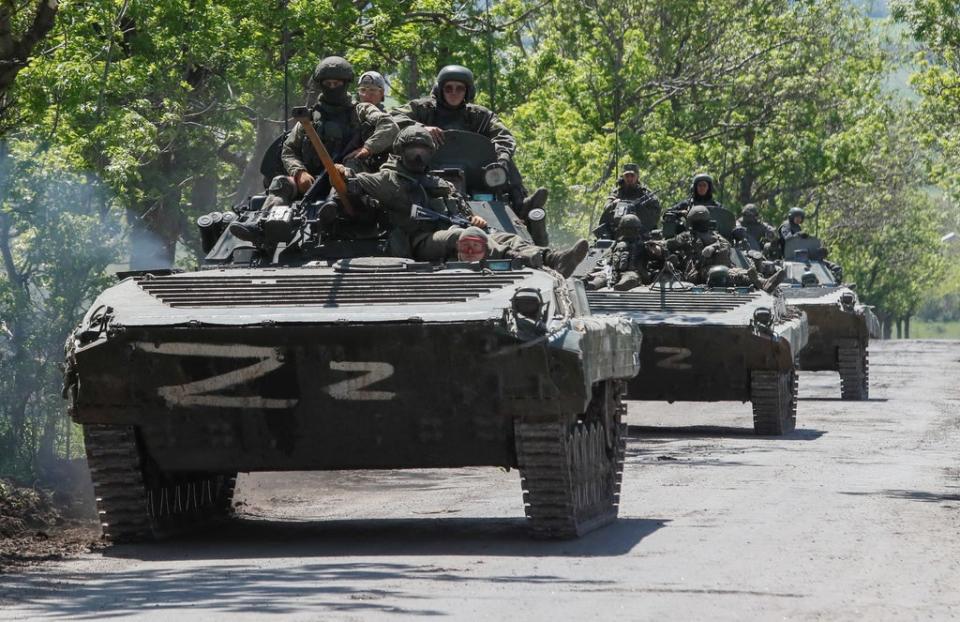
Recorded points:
(708, 344)
(840, 326)
(320, 353)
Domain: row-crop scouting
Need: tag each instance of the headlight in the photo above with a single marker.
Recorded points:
(528, 302)
(495, 176)
(763, 317)
(847, 299)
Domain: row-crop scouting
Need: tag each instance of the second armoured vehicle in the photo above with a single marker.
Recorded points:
(840, 326)
(321, 353)
(705, 344)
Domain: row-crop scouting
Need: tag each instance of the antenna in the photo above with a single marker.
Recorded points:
(286, 74)
(490, 73)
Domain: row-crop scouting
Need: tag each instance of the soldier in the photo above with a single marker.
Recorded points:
(793, 226)
(701, 193)
(450, 107)
(760, 231)
(405, 181)
(371, 89)
(629, 189)
(351, 132)
(627, 264)
(700, 248)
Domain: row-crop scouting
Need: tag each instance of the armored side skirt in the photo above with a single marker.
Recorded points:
(327, 397)
(706, 363)
(830, 327)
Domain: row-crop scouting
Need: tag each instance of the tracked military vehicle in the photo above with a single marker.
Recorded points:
(320, 353)
(840, 326)
(705, 344)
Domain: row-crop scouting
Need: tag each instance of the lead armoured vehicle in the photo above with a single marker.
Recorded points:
(840, 326)
(322, 354)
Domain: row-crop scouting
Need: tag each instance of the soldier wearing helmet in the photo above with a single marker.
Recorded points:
(761, 232)
(701, 193)
(700, 248)
(628, 189)
(630, 262)
(351, 132)
(450, 107)
(405, 181)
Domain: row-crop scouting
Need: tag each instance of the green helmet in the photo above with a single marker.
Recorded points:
(413, 135)
(455, 73)
(698, 214)
(796, 211)
(333, 68)
(629, 226)
(718, 276)
(750, 212)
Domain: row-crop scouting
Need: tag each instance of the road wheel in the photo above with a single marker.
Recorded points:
(774, 398)
(854, 369)
(135, 501)
(571, 472)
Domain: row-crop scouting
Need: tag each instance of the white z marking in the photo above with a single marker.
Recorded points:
(197, 393)
(354, 388)
(675, 358)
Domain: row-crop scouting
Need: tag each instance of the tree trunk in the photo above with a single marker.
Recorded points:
(899, 328)
(412, 87)
(906, 327)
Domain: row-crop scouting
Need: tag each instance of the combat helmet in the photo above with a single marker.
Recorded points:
(333, 68)
(456, 73)
(629, 226)
(698, 218)
(750, 212)
(413, 135)
(794, 212)
(718, 276)
(698, 178)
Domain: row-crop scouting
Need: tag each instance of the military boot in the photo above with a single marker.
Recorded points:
(536, 200)
(628, 280)
(249, 231)
(770, 283)
(566, 261)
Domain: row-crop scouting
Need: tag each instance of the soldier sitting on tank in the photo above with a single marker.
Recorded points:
(351, 132)
(450, 107)
(405, 182)
(628, 263)
(701, 193)
(792, 227)
(699, 248)
(753, 226)
(628, 189)
(372, 88)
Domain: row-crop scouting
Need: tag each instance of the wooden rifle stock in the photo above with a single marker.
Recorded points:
(302, 115)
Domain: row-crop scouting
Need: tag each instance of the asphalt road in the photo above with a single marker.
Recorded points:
(854, 516)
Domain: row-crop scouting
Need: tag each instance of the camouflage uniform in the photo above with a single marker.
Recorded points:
(627, 263)
(754, 227)
(698, 249)
(607, 227)
(343, 125)
(694, 199)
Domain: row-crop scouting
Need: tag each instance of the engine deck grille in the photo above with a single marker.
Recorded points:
(326, 290)
(807, 292)
(675, 301)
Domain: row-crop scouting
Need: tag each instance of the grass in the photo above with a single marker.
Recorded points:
(934, 330)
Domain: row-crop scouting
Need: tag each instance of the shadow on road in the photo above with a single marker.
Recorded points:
(643, 433)
(911, 495)
(249, 537)
(840, 399)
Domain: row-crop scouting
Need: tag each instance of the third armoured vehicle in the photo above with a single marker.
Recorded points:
(321, 353)
(840, 326)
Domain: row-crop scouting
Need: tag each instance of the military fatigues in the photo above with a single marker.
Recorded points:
(342, 128)
(609, 220)
(758, 230)
(397, 190)
(698, 251)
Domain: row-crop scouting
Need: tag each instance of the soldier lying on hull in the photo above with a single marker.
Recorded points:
(699, 248)
(450, 107)
(631, 262)
(628, 189)
(405, 183)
